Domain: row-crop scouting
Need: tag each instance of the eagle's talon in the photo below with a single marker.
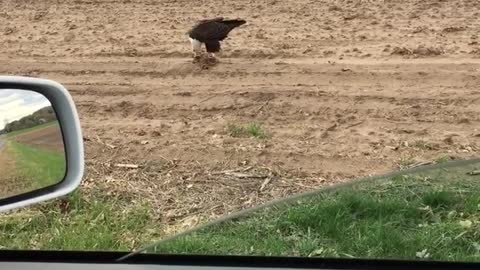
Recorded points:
(211, 59)
(196, 59)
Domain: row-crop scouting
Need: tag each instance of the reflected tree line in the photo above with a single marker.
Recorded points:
(42, 116)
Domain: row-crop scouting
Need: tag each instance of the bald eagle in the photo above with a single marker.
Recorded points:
(210, 32)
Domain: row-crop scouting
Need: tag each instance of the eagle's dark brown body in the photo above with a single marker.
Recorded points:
(211, 32)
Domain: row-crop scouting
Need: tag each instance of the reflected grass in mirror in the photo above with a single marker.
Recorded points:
(37, 164)
(434, 215)
(31, 143)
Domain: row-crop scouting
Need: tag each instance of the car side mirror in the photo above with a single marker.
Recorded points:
(41, 145)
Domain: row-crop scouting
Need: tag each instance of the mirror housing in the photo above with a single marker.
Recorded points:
(66, 113)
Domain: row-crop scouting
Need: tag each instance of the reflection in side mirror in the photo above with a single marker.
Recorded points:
(32, 152)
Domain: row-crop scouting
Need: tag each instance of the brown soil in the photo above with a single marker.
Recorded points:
(49, 138)
(343, 90)
(10, 183)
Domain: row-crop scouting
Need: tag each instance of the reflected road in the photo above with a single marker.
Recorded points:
(2, 142)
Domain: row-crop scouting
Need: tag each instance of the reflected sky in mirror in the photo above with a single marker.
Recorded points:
(15, 104)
